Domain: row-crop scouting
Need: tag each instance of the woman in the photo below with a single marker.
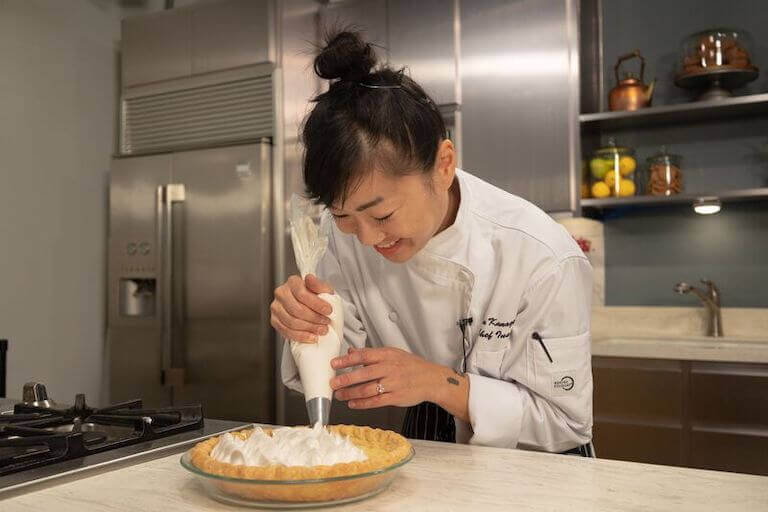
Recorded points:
(473, 303)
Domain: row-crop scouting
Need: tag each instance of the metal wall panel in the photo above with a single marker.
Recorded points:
(519, 86)
(156, 47)
(196, 39)
(427, 50)
(591, 55)
(230, 34)
(198, 116)
(369, 16)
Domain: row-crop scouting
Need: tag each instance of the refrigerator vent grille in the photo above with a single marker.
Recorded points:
(200, 116)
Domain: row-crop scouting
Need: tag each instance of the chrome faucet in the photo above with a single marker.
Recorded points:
(711, 300)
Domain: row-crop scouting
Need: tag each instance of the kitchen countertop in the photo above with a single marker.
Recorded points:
(678, 333)
(690, 348)
(443, 477)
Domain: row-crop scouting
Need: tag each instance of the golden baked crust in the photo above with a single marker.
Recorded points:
(382, 447)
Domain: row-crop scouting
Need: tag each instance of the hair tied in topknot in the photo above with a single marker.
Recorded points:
(346, 56)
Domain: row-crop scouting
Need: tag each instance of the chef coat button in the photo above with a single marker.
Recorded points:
(393, 316)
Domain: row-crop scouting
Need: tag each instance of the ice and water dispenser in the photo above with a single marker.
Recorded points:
(137, 296)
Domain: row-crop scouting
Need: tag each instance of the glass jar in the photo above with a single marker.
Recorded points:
(585, 180)
(612, 171)
(715, 49)
(665, 177)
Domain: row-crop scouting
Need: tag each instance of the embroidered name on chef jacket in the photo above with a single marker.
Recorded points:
(493, 327)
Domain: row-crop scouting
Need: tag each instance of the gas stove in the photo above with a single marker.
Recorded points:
(40, 439)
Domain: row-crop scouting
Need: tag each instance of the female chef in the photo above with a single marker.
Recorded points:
(464, 303)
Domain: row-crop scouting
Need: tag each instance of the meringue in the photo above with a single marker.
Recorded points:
(291, 446)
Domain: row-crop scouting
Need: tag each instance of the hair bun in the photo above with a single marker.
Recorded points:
(345, 56)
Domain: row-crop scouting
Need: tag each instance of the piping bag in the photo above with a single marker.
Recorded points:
(314, 359)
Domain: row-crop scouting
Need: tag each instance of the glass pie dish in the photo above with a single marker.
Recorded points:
(292, 494)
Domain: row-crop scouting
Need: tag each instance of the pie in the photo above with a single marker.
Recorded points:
(381, 448)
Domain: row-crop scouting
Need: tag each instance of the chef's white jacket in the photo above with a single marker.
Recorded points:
(513, 270)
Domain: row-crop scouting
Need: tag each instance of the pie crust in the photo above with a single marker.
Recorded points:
(383, 448)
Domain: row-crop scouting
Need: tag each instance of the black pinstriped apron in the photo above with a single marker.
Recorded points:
(430, 422)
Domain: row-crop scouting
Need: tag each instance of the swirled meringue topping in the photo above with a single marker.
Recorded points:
(289, 446)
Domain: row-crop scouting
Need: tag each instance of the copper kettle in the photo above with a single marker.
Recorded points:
(630, 92)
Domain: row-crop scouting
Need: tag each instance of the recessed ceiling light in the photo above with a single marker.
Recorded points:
(707, 205)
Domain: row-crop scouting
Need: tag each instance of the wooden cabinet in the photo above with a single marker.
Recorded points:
(682, 413)
(652, 444)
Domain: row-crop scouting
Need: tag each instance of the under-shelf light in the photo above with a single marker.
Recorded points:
(707, 205)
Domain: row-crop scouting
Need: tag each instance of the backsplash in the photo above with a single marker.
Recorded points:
(648, 251)
(659, 322)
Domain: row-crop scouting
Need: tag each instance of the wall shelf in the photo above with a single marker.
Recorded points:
(736, 107)
(727, 196)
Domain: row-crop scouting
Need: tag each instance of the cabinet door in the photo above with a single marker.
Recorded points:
(652, 444)
(230, 34)
(729, 417)
(729, 394)
(519, 97)
(427, 50)
(742, 451)
(638, 409)
(641, 390)
(156, 47)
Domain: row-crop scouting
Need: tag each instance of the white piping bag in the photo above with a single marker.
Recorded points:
(314, 359)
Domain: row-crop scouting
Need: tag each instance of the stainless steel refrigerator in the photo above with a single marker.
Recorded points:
(190, 280)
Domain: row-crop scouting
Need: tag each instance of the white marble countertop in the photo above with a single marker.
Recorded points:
(691, 348)
(442, 477)
(678, 333)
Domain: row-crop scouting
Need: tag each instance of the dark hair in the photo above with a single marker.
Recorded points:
(366, 118)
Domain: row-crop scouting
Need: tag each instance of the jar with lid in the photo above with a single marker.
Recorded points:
(716, 49)
(717, 61)
(612, 171)
(585, 180)
(665, 177)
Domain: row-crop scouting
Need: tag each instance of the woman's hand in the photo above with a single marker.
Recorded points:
(391, 376)
(297, 312)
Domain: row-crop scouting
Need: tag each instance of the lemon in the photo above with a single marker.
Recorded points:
(626, 188)
(599, 167)
(600, 189)
(610, 179)
(627, 165)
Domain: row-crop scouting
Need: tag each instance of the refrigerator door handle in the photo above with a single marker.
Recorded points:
(172, 374)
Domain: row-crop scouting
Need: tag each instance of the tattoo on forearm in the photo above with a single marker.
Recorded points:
(454, 381)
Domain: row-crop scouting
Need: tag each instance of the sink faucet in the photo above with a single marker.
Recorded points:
(711, 300)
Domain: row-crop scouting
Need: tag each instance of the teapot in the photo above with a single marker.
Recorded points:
(630, 92)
